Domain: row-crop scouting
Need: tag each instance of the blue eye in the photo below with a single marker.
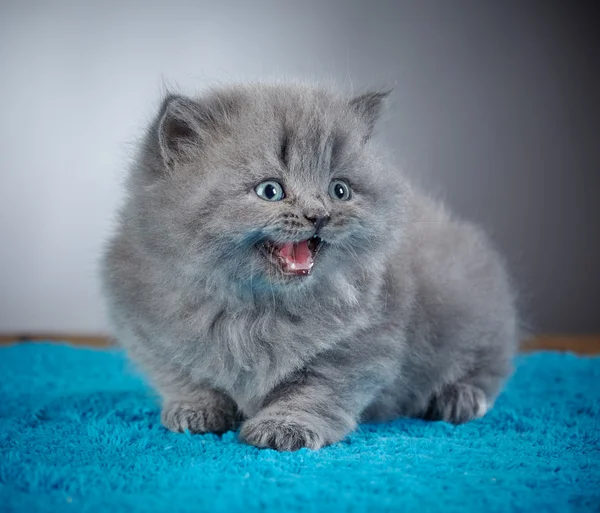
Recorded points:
(339, 190)
(270, 191)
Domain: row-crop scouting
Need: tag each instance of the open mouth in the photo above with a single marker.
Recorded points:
(294, 258)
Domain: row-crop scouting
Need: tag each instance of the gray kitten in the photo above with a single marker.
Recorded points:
(271, 269)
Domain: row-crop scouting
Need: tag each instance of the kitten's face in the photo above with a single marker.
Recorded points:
(270, 186)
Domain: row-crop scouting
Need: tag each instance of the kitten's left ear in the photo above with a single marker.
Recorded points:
(179, 128)
(368, 108)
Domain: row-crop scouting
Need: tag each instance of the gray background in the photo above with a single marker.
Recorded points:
(496, 109)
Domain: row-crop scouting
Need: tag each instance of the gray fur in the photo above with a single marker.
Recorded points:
(407, 312)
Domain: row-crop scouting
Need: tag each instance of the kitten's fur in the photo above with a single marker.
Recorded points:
(407, 312)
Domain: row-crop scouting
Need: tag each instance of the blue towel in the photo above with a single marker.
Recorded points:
(80, 432)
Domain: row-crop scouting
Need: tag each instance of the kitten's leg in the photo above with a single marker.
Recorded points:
(208, 411)
(321, 405)
(473, 396)
(189, 405)
(199, 409)
(306, 414)
(457, 403)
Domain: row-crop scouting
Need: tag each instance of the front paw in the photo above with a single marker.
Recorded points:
(457, 403)
(282, 431)
(182, 416)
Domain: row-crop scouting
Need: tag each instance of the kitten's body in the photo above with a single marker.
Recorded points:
(406, 312)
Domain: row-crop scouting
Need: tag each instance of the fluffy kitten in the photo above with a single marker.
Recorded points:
(271, 269)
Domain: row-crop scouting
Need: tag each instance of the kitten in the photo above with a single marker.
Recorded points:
(270, 269)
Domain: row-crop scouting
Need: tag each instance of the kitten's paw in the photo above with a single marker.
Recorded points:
(457, 403)
(182, 416)
(282, 432)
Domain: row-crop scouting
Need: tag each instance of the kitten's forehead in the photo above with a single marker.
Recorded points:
(300, 111)
(299, 125)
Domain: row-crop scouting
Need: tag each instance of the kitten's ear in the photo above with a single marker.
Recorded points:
(179, 128)
(368, 108)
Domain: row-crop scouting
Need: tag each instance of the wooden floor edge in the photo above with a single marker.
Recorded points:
(73, 339)
(580, 344)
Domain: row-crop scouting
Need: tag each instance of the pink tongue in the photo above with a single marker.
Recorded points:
(297, 256)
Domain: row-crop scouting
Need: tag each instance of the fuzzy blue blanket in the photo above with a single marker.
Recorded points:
(79, 431)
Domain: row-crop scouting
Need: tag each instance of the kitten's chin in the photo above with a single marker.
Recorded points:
(291, 262)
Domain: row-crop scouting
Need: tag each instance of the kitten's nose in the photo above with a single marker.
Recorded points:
(318, 220)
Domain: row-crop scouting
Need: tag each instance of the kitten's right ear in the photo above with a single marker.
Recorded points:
(179, 129)
(368, 107)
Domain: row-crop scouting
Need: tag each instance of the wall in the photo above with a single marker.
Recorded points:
(495, 109)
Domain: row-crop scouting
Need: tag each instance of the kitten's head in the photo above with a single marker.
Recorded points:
(266, 186)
